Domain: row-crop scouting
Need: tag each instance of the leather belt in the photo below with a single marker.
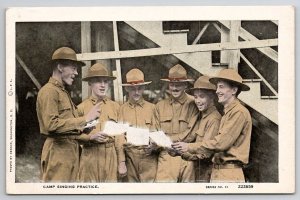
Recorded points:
(228, 165)
(107, 145)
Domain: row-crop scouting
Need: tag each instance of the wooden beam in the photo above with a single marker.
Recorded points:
(201, 33)
(85, 48)
(217, 27)
(118, 81)
(234, 60)
(259, 75)
(271, 53)
(28, 72)
(178, 50)
(224, 55)
(275, 22)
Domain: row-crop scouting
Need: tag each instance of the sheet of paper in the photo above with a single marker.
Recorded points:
(112, 128)
(161, 139)
(137, 136)
(92, 123)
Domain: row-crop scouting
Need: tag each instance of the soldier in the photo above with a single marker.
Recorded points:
(141, 161)
(59, 121)
(99, 160)
(205, 94)
(178, 116)
(232, 144)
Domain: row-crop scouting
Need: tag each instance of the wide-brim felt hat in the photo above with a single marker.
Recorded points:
(66, 54)
(231, 76)
(98, 70)
(177, 74)
(201, 83)
(135, 77)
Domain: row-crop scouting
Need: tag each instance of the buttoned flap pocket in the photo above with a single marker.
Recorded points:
(184, 124)
(148, 123)
(165, 123)
(112, 117)
(64, 106)
(165, 118)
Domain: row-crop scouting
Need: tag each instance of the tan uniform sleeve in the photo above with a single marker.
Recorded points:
(228, 134)
(50, 116)
(211, 130)
(120, 140)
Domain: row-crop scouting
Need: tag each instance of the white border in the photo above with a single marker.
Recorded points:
(286, 77)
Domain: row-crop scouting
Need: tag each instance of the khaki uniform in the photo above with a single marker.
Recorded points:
(140, 166)
(59, 121)
(232, 144)
(98, 161)
(208, 129)
(178, 120)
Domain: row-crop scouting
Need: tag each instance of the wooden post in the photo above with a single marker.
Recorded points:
(234, 38)
(224, 55)
(104, 42)
(85, 48)
(118, 81)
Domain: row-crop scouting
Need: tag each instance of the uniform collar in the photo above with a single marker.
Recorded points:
(208, 111)
(182, 99)
(56, 83)
(140, 102)
(95, 100)
(231, 105)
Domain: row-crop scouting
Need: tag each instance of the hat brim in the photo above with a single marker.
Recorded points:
(175, 81)
(191, 90)
(242, 86)
(136, 84)
(76, 62)
(90, 77)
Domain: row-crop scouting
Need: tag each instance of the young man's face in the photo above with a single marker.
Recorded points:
(177, 88)
(99, 87)
(135, 92)
(68, 73)
(225, 92)
(202, 99)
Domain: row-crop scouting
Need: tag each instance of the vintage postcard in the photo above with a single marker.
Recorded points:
(215, 86)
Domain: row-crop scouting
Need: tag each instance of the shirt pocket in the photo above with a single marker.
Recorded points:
(165, 123)
(200, 136)
(183, 124)
(148, 123)
(112, 117)
(64, 108)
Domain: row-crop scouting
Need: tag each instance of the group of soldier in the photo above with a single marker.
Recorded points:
(206, 146)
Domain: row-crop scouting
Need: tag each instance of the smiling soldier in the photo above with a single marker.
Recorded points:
(99, 159)
(178, 116)
(141, 161)
(59, 120)
(204, 93)
(232, 144)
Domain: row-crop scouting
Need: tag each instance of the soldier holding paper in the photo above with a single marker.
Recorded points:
(99, 159)
(204, 93)
(178, 116)
(141, 160)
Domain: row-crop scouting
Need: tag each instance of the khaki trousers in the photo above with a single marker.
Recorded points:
(98, 163)
(140, 166)
(174, 169)
(234, 175)
(60, 160)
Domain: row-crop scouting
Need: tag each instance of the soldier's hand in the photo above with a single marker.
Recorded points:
(172, 152)
(180, 146)
(99, 137)
(94, 113)
(122, 169)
